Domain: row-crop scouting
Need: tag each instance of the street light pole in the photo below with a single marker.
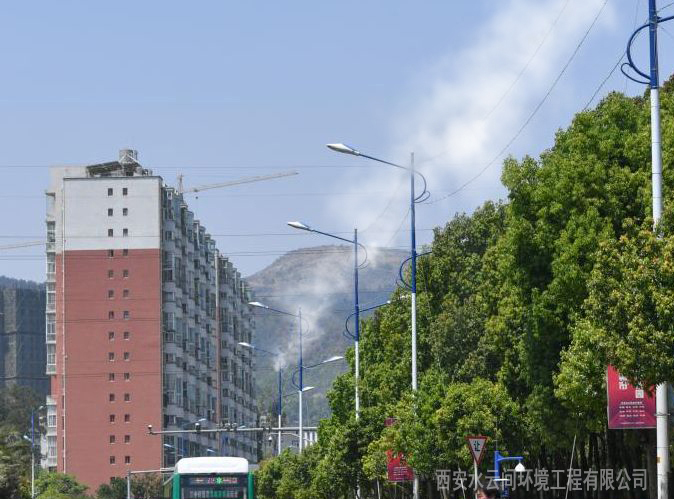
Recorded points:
(280, 405)
(414, 199)
(652, 79)
(301, 368)
(413, 284)
(32, 454)
(357, 313)
(301, 381)
(356, 266)
(280, 387)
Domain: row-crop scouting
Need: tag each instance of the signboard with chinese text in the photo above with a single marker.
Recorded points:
(396, 466)
(629, 407)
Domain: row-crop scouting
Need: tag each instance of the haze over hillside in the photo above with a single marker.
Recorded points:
(319, 280)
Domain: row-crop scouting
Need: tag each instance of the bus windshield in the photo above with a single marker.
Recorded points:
(214, 486)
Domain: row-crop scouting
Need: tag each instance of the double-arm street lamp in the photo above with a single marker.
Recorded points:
(356, 266)
(651, 77)
(280, 386)
(414, 200)
(298, 316)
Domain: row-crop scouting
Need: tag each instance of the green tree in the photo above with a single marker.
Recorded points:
(59, 486)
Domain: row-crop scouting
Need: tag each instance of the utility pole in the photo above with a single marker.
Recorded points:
(652, 79)
(661, 405)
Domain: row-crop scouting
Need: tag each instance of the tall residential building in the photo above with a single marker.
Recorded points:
(143, 325)
(22, 350)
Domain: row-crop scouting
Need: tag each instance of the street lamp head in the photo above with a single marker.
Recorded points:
(169, 446)
(257, 304)
(520, 468)
(246, 345)
(299, 225)
(307, 388)
(334, 358)
(343, 148)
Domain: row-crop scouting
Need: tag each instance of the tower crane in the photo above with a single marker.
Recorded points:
(244, 180)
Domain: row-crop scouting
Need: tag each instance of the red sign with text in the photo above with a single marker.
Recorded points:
(397, 467)
(629, 407)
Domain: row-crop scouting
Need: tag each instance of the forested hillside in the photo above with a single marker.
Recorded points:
(522, 305)
(319, 280)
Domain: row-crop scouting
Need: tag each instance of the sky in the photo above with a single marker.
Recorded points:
(219, 90)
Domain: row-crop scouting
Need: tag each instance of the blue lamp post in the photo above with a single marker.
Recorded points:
(414, 200)
(356, 267)
(498, 459)
(651, 77)
(280, 388)
(298, 315)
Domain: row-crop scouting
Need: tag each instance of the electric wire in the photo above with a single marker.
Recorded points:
(603, 82)
(531, 116)
(528, 63)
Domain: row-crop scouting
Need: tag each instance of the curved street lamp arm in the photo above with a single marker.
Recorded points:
(402, 265)
(360, 311)
(648, 78)
(258, 349)
(628, 52)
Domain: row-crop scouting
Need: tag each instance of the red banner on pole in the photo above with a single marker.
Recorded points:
(629, 407)
(396, 466)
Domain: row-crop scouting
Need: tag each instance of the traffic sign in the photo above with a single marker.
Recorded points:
(477, 445)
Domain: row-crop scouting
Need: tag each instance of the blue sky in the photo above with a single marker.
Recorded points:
(221, 90)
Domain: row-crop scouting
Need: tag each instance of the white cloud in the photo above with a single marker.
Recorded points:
(465, 110)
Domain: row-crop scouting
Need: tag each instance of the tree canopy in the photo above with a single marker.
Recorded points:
(522, 305)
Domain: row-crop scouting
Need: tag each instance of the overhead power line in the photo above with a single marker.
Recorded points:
(531, 116)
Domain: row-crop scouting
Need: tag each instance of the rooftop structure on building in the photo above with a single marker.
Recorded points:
(143, 328)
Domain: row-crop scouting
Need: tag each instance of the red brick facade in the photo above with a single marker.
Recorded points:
(111, 311)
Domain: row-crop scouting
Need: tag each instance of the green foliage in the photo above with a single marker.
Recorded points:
(16, 403)
(146, 486)
(521, 307)
(59, 486)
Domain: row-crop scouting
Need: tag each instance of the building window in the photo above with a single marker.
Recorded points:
(125, 252)
(127, 376)
(125, 211)
(127, 418)
(125, 273)
(127, 439)
(111, 253)
(125, 293)
(127, 459)
(111, 315)
(110, 212)
(112, 459)
(127, 355)
(125, 191)
(111, 376)
(112, 439)
(109, 191)
(111, 293)
(112, 418)
(127, 397)
(126, 315)
(111, 274)
(111, 335)
(111, 233)
(127, 335)
(111, 397)
(111, 356)
(125, 232)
